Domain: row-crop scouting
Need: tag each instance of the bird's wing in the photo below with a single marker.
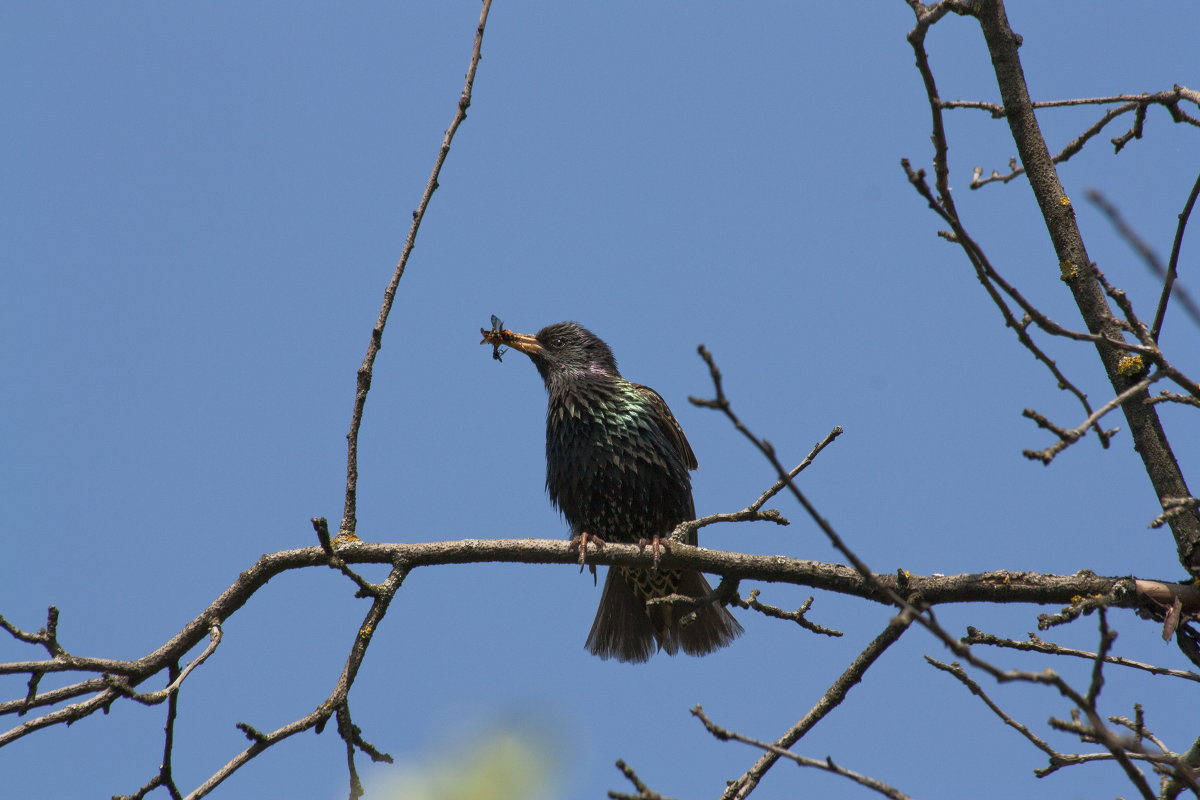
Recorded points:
(669, 425)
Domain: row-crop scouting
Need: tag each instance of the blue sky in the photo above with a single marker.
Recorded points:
(201, 207)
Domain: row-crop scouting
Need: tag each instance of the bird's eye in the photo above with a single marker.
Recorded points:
(556, 343)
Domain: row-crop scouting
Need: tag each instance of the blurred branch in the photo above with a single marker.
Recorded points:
(1189, 763)
(1150, 258)
(1173, 267)
(349, 518)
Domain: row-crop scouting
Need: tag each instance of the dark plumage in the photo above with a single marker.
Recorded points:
(617, 467)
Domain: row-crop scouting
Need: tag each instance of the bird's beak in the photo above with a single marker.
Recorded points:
(527, 344)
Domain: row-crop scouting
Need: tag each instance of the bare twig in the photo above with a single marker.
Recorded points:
(958, 672)
(365, 587)
(830, 700)
(644, 792)
(352, 735)
(1170, 397)
(799, 616)
(1036, 644)
(796, 470)
(1137, 103)
(753, 512)
(1188, 765)
(164, 775)
(990, 279)
(1166, 98)
(721, 403)
(1107, 637)
(927, 619)
(1057, 760)
(1069, 437)
(775, 750)
(349, 519)
(317, 718)
(1149, 438)
(1173, 506)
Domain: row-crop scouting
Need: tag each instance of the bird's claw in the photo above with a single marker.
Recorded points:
(580, 543)
(657, 546)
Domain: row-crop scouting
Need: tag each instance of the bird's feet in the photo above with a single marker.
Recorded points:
(580, 543)
(657, 546)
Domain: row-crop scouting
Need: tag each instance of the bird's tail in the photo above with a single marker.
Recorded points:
(629, 630)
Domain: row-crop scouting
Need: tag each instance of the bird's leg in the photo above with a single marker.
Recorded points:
(580, 542)
(657, 546)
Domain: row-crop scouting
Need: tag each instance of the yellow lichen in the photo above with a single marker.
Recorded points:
(1064, 201)
(1068, 270)
(1131, 365)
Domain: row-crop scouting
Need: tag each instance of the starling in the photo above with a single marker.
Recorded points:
(617, 468)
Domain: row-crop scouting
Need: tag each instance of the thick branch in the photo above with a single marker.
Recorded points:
(1149, 439)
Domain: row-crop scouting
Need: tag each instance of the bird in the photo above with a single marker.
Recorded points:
(617, 464)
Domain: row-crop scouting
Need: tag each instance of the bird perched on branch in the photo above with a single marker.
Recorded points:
(617, 468)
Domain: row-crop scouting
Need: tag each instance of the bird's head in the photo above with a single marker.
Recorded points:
(565, 350)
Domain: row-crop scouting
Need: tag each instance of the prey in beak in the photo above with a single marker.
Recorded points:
(499, 336)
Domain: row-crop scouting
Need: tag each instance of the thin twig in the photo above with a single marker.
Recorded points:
(799, 616)
(1137, 103)
(753, 512)
(1039, 645)
(831, 699)
(1068, 437)
(958, 672)
(177, 677)
(1174, 506)
(349, 519)
(796, 470)
(316, 719)
(644, 792)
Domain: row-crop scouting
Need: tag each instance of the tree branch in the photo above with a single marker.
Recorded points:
(349, 518)
(741, 787)
(1146, 429)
